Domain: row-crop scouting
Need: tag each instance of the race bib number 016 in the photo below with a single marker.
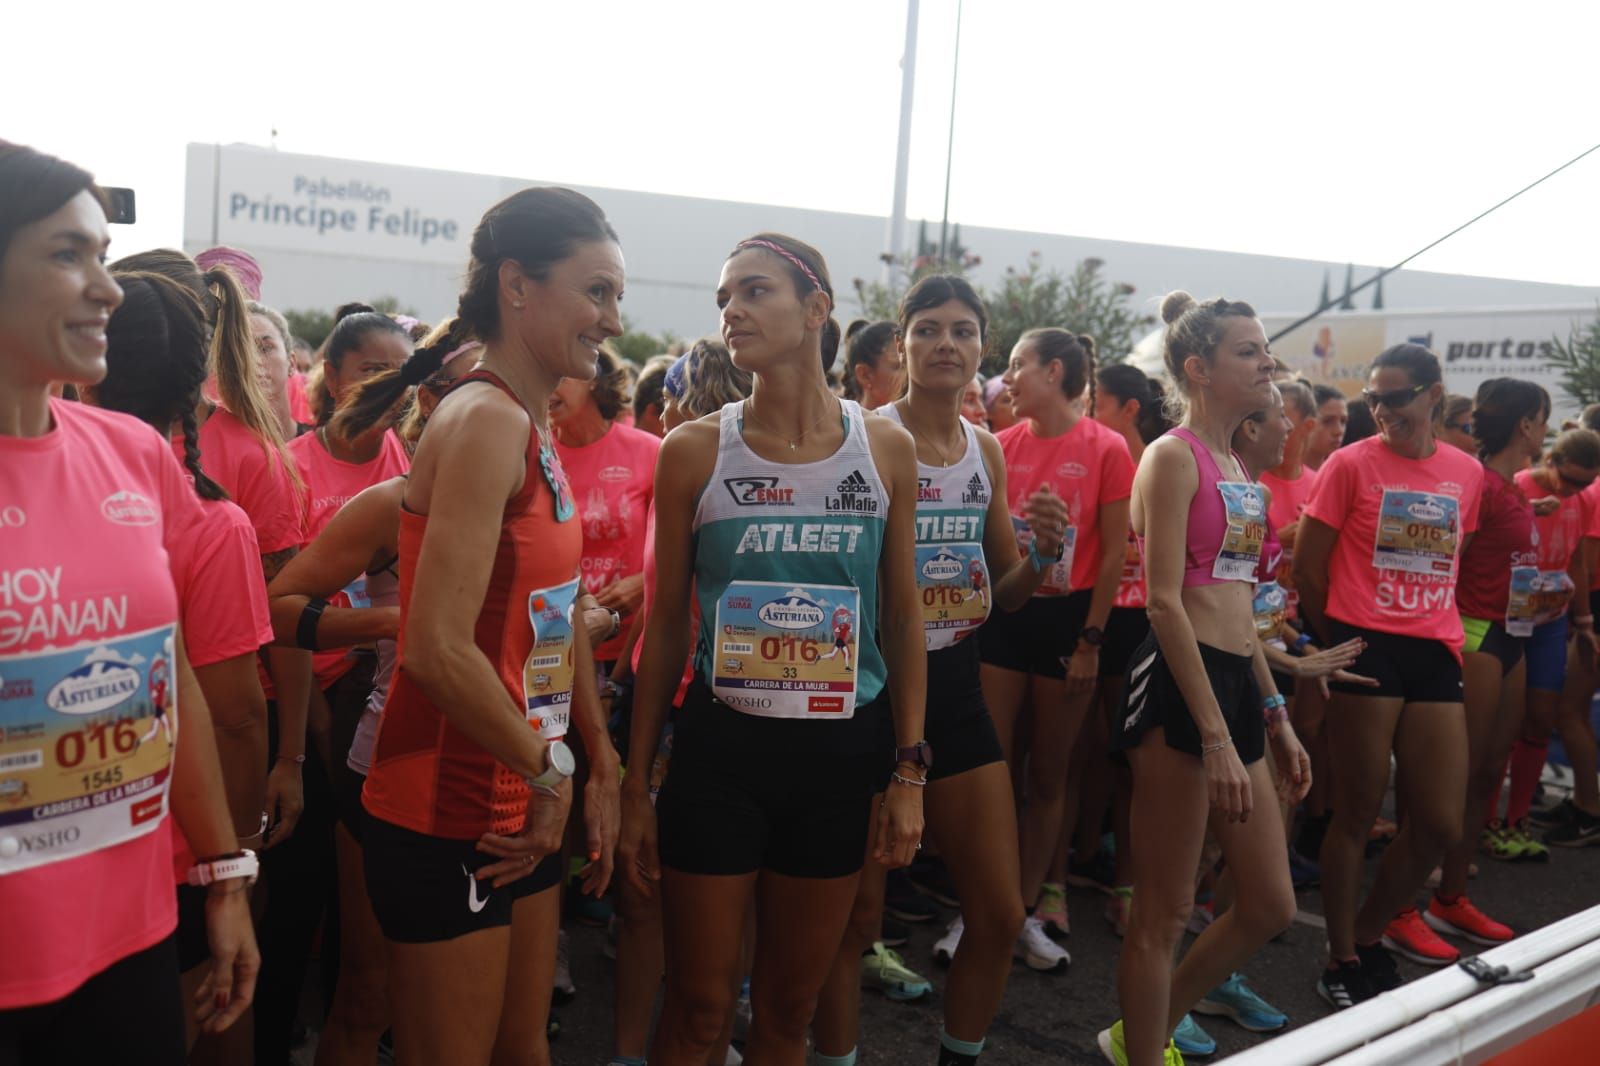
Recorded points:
(1246, 512)
(86, 742)
(548, 671)
(953, 580)
(1417, 533)
(1536, 597)
(786, 651)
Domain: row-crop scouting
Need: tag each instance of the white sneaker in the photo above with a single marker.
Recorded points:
(564, 988)
(944, 949)
(1037, 950)
(733, 1057)
(741, 1017)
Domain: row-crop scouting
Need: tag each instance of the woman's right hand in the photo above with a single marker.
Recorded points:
(638, 857)
(1227, 783)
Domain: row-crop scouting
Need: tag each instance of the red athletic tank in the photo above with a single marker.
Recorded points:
(426, 774)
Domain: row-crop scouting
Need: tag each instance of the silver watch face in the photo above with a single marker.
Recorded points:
(561, 758)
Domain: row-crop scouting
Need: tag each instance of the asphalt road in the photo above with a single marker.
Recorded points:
(1048, 1018)
(1053, 1018)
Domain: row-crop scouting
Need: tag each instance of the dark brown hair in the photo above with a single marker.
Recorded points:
(1074, 351)
(379, 397)
(802, 283)
(534, 228)
(34, 186)
(353, 324)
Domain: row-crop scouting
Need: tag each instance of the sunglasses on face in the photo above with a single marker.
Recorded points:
(1393, 398)
(1459, 427)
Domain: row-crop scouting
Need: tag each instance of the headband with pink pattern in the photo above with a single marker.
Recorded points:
(757, 242)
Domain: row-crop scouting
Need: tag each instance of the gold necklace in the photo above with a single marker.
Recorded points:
(749, 409)
(944, 456)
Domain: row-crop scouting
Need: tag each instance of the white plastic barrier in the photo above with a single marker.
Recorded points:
(1450, 1016)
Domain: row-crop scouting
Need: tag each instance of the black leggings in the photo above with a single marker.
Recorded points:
(129, 1013)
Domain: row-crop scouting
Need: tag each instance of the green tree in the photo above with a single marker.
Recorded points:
(880, 301)
(1083, 302)
(637, 345)
(314, 325)
(1577, 359)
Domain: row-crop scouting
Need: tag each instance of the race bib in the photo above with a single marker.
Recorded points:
(1536, 597)
(1058, 576)
(1417, 532)
(86, 742)
(785, 651)
(548, 671)
(357, 592)
(1270, 607)
(1246, 512)
(954, 582)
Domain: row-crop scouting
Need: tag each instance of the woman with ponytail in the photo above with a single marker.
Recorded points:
(1046, 655)
(156, 364)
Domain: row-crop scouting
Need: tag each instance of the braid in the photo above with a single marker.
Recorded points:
(376, 399)
(204, 487)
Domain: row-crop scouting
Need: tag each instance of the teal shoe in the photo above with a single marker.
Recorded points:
(1234, 999)
(1193, 1040)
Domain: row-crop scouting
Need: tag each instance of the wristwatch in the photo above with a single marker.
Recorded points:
(558, 766)
(919, 755)
(226, 868)
(1093, 636)
(616, 623)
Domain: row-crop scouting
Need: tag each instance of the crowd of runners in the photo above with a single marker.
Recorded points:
(388, 657)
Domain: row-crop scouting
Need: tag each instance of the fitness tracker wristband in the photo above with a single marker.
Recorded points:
(558, 766)
(1040, 562)
(1093, 636)
(616, 623)
(305, 632)
(1301, 641)
(225, 868)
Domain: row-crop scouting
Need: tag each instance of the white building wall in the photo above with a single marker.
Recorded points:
(675, 245)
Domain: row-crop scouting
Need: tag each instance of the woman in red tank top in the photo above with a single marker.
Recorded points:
(468, 793)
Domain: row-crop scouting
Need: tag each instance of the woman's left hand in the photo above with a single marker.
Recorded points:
(897, 834)
(623, 595)
(1293, 764)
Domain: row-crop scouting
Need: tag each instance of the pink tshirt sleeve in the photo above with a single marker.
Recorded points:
(225, 611)
(1331, 495)
(1116, 472)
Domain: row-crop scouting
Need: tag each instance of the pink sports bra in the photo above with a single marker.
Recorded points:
(1208, 528)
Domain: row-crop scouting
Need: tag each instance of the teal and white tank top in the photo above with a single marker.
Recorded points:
(786, 576)
(952, 575)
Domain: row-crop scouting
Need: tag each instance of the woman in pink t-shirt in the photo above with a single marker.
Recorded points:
(1201, 706)
(611, 468)
(1376, 559)
(94, 672)
(156, 365)
(1046, 656)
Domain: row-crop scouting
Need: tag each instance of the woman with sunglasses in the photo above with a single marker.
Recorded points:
(1377, 558)
(1564, 566)
(1455, 423)
(1497, 603)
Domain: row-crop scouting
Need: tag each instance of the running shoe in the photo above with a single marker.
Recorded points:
(1461, 918)
(1036, 949)
(883, 969)
(944, 949)
(930, 877)
(1378, 966)
(901, 900)
(733, 1058)
(563, 990)
(1190, 1039)
(1118, 907)
(1098, 871)
(1409, 936)
(894, 934)
(1343, 985)
(1303, 872)
(1527, 848)
(1113, 1047)
(1052, 909)
(1236, 1000)
(1580, 831)
(1549, 818)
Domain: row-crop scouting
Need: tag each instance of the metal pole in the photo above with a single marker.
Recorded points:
(902, 162)
(950, 145)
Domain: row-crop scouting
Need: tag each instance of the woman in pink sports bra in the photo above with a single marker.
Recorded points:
(1197, 715)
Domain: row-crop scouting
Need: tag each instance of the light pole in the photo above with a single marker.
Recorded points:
(908, 85)
(950, 147)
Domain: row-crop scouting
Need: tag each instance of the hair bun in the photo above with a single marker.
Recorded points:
(346, 310)
(1175, 304)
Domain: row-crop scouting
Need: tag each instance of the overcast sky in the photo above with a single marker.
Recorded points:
(1335, 131)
